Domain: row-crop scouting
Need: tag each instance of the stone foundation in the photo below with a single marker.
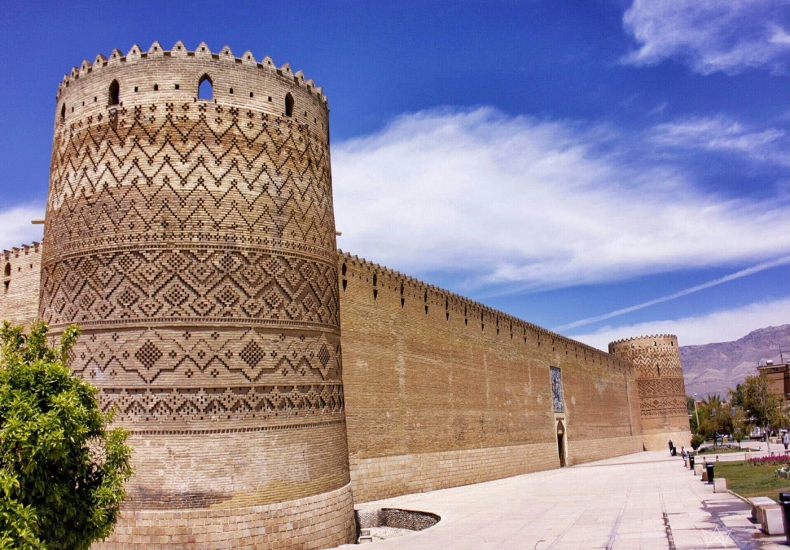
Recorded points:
(319, 521)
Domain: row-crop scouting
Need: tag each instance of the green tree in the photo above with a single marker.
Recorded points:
(62, 472)
(715, 417)
(763, 408)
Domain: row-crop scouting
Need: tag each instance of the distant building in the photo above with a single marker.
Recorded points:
(779, 375)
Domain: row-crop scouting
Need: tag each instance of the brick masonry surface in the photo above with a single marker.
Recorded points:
(662, 391)
(442, 391)
(191, 235)
(309, 523)
(193, 240)
(21, 276)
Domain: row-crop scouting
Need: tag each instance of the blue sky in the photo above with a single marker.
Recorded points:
(605, 169)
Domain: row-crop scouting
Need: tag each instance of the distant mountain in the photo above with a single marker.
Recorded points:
(715, 368)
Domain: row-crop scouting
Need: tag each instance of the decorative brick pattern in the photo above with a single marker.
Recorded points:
(193, 240)
(662, 391)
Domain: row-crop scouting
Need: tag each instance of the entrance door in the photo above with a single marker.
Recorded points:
(561, 442)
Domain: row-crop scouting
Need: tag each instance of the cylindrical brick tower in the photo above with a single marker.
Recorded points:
(190, 233)
(662, 392)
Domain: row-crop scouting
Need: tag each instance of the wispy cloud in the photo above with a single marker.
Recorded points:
(16, 226)
(528, 203)
(719, 326)
(685, 292)
(721, 133)
(710, 35)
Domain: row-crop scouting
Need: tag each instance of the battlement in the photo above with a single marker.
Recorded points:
(178, 82)
(504, 324)
(180, 51)
(16, 251)
(654, 340)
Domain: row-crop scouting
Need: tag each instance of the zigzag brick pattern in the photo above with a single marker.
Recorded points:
(193, 240)
(662, 392)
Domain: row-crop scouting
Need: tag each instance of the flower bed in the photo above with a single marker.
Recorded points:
(771, 459)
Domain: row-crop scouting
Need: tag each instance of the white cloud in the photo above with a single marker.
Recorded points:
(534, 204)
(724, 134)
(710, 35)
(719, 326)
(16, 226)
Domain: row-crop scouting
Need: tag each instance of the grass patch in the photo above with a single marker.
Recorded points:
(752, 481)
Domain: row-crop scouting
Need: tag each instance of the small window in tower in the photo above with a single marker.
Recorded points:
(156, 87)
(231, 90)
(205, 88)
(178, 86)
(63, 112)
(7, 271)
(289, 104)
(250, 94)
(115, 91)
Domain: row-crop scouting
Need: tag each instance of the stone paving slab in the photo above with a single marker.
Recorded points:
(646, 500)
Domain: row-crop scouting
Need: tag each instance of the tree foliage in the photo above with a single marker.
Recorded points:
(62, 472)
(715, 418)
(763, 408)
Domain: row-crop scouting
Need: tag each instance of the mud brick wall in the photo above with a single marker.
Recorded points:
(443, 391)
(21, 274)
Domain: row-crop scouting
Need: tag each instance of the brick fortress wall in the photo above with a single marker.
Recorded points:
(193, 240)
(194, 243)
(662, 391)
(20, 284)
(442, 391)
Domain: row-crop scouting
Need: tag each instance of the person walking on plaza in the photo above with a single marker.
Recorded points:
(785, 440)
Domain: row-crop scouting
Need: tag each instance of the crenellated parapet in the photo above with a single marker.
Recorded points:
(179, 51)
(22, 250)
(440, 305)
(170, 80)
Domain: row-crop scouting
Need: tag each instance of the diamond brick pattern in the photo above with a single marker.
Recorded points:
(194, 215)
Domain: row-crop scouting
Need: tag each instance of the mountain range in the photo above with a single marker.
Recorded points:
(715, 368)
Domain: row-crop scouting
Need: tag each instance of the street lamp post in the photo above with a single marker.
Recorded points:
(696, 412)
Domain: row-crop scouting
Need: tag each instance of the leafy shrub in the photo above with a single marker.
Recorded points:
(62, 472)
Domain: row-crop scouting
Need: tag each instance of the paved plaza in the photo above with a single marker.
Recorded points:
(644, 500)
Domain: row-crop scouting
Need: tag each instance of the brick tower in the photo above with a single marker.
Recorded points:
(190, 233)
(662, 392)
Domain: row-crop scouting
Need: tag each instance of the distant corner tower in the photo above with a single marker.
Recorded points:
(190, 233)
(662, 392)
